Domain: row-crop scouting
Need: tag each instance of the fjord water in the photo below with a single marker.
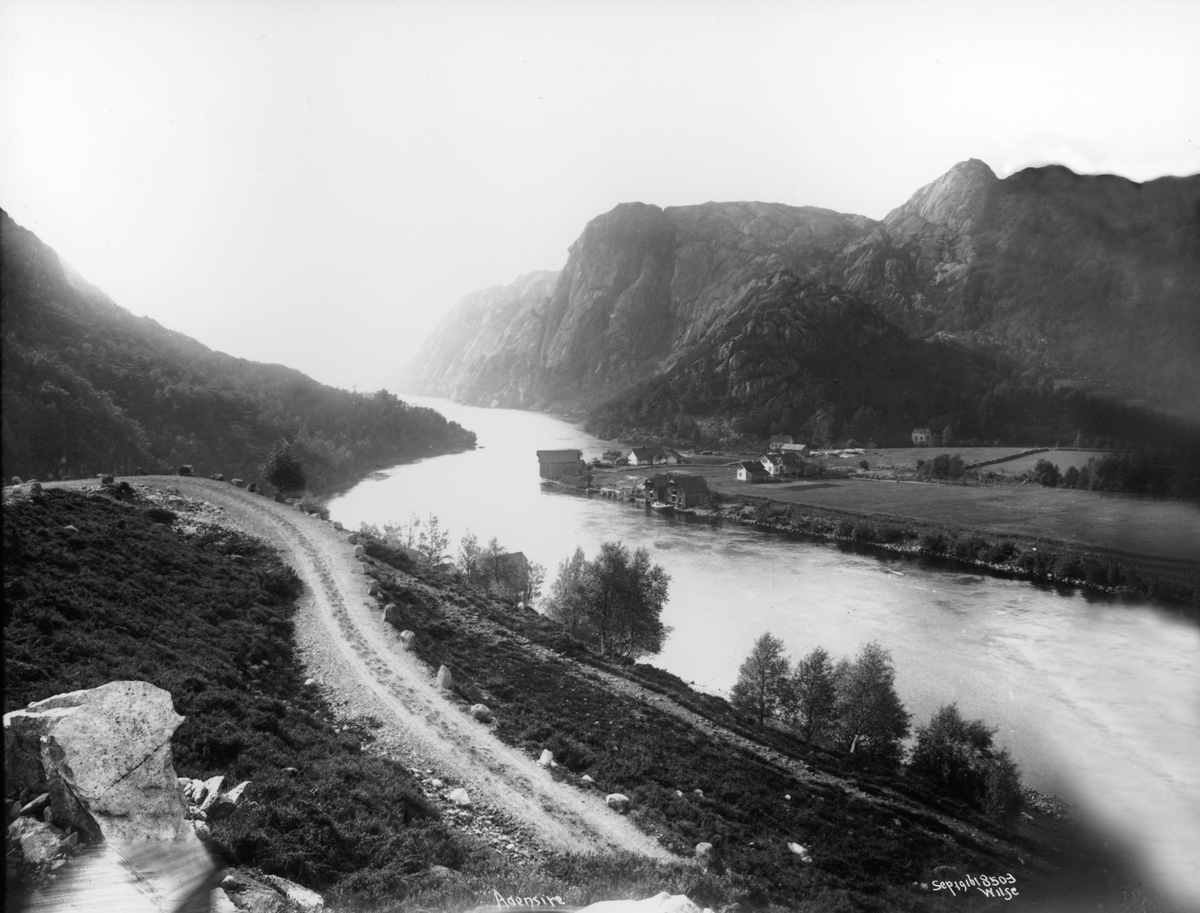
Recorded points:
(1097, 698)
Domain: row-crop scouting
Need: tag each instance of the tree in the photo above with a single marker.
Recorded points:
(537, 577)
(871, 720)
(1046, 473)
(614, 602)
(283, 468)
(957, 756)
(493, 563)
(433, 541)
(568, 602)
(470, 556)
(814, 695)
(761, 688)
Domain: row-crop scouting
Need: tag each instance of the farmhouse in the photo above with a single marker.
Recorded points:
(654, 456)
(558, 464)
(773, 463)
(922, 437)
(749, 471)
(778, 441)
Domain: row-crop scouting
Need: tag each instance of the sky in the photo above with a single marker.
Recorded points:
(318, 183)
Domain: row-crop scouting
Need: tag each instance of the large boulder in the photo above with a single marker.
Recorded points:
(618, 802)
(408, 641)
(444, 679)
(481, 713)
(105, 756)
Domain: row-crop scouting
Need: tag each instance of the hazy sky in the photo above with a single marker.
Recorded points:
(318, 183)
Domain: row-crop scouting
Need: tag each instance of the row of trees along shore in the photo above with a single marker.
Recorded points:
(852, 705)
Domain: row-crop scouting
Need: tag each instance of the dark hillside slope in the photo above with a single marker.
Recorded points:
(1095, 278)
(88, 387)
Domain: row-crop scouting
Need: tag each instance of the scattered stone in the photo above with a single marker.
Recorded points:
(587, 779)
(359, 551)
(16, 480)
(291, 771)
(38, 840)
(212, 786)
(352, 538)
(679, 794)
(373, 588)
(698, 792)
(547, 757)
(253, 487)
(444, 679)
(460, 798)
(185, 469)
(309, 682)
(36, 808)
(481, 713)
(618, 802)
(217, 477)
(35, 488)
(800, 851)
(337, 524)
(227, 803)
(302, 897)
(238, 482)
(106, 478)
(391, 614)
(71, 529)
(408, 640)
(105, 754)
(436, 784)
(788, 797)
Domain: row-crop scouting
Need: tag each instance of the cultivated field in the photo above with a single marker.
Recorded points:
(1166, 529)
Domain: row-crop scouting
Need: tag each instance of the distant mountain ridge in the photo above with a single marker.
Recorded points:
(1093, 281)
(88, 387)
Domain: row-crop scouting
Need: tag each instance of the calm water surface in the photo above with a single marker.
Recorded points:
(1097, 699)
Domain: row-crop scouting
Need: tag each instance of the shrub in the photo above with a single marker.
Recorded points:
(311, 504)
(933, 544)
(999, 553)
(863, 532)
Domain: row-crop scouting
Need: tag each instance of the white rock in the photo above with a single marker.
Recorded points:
(444, 679)
(660, 903)
(460, 798)
(481, 713)
(436, 784)
(39, 840)
(212, 787)
(586, 779)
(618, 802)
(547, 757)
(408, 640)
(301, 897)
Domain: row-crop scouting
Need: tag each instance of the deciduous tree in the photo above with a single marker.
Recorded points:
(814, 695)
(762, 686)
(871, 720)
(284, 469)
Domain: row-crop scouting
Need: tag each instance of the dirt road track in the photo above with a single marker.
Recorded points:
(357, 660)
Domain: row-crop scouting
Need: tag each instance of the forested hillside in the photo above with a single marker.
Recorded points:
(88, 387)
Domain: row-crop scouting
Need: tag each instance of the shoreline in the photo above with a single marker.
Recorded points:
(1039, 560)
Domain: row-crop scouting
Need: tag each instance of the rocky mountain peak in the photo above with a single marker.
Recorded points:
(954, 201)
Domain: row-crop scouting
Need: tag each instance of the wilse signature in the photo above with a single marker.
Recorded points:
(987, 885)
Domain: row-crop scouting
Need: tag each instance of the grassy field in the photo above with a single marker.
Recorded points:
(1164, 529)
(905, 458)
(1063, 459)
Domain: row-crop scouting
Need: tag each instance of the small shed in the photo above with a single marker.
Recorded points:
(558, 464)
(778, 441)
(686, 490)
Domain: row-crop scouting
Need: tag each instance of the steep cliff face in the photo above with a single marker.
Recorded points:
(1089, 279)
(488, 349)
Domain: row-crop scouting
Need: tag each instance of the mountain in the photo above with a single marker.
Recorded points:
(88, 387)
(1045, 280)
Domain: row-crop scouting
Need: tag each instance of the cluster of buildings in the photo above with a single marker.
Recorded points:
(677, 490)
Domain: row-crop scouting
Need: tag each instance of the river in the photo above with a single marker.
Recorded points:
(1097, 698)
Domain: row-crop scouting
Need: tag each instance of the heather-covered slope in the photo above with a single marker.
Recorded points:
(88, 387)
